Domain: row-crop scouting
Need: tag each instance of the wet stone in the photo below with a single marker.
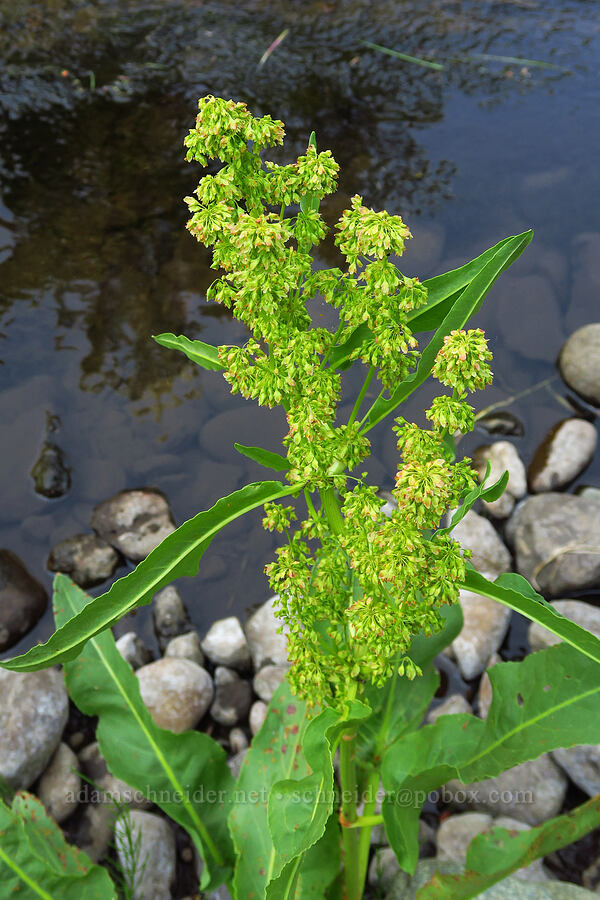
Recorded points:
(186, 646)
(562, 455)
(133, 650)
(23, 600)
(489, 555)
(584, 614)
(456, 703)
(485, 693)
(232, 701)
(485, 626)
(582, 765)
(238, 740)
(225, 644)
(134, 522)
(85, 558)
(50, 473)
(151, 837)
(177, 692)
(59, 785)
(258, 714)
(104, 787)
(579, 362)
(502, 456)
(267, 680)
(34, 708)
(266, 644)
(171, 618)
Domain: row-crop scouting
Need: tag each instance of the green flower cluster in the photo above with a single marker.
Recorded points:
(355, 586)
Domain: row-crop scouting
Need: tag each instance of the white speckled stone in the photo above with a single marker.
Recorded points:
(262, 632)
(177, 692)
(225, 644)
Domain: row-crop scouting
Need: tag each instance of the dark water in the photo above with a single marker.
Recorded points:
(94, 258)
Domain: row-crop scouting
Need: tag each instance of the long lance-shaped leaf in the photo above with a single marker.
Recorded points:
(515, 591)
(265, 458)
(496, 854)
(202, 354)
(178, 555)
(275, 754)
(481, 492)
(185, 774)
(36, 863)
(468, 302)
(550, 700)
(309, 876)
(442, 293)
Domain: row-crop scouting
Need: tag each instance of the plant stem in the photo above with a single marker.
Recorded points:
(361, 396)
(352, 881)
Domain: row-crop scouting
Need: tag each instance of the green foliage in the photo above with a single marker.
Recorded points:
(367, 599)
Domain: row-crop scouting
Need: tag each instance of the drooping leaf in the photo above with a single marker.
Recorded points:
(515, 592)
(308, 876)
(178, 555)
(202, 354)
(551, 699)
(275, 754)
(481, 492)
(496, 854)
(339, 358)
(264, 457)
(186, 775)
(465, 305)
(36, 863)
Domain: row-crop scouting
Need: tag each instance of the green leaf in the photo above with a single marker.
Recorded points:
(264, 457)
(179, 554)
(480, 492)
(427, 64)
(309, 875)
(467, 304)
(496, 854)
(186, 775)
(551, 699)
(36, 861)
(339, 358)
(515, 592)
(202, 354)
(275, 754)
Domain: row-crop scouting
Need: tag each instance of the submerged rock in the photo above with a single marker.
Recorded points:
(51, 474)
(86, 558)
(579, 362)
(134, 522)
(23, 600)
(563, 455)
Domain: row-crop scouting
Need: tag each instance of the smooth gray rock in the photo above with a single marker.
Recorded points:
(238, 741)
(34, 708)
(235, 763)
(485, 625)
(105, 788)
(579, 362)
(556, 539)
(456, 703)
(485, 693)
(232, 702)
(563, 455)
(85, 558)
(503, 457)
(578, 611)
(133, 650)
(266, 644)
(225, 644)
(95, 829)
(186, 646)
(489, 554)
(531, 792)
(134, 522)
(177, 692)
(582, 765)
(383, 868)
(58, 788)
(267, 680)
(146, 850)
(171, 617)
(23, 600)
(258, 714)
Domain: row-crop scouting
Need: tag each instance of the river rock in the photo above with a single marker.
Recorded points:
(186, 646)
(95, 830)
(489, 554)
(258, 714)
(531, 792)
(105, 787)
(578, 611)
(383, 868)
(582, 765)
(562, 455)
(149, 839)
(556, 539)
(503, 457)
(133, 650)
(238, 741)
(176, 691)
(50, 473)
(579, 362)
(171, 617)
(233, 697)
(58, 788)
(456, 703)
(235, 763)
(267, 680)
(225, 644)
(23, 600)
(86, 558)
(267, 644)
(485, 625)
(134, 522)
(406, 888)
(34, 708)
(485, 693)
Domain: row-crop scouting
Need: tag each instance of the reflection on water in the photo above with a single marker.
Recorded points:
(94, 101)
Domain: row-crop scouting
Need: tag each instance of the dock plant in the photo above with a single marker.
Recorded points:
(367, 595)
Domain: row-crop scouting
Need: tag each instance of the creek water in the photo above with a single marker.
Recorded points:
(95, 99)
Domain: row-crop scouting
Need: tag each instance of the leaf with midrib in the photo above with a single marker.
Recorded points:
(264, 457)
(551, 699)
(179, 554)
(202, 354)
(177, 771)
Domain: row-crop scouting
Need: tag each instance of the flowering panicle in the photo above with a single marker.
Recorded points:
(354, 585)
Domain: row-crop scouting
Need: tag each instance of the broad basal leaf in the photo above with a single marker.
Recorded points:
(550, 700)
(36, 863)
(515, 591)
(179, 554)
(496, 854)
(186, 775)
(204, 355)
